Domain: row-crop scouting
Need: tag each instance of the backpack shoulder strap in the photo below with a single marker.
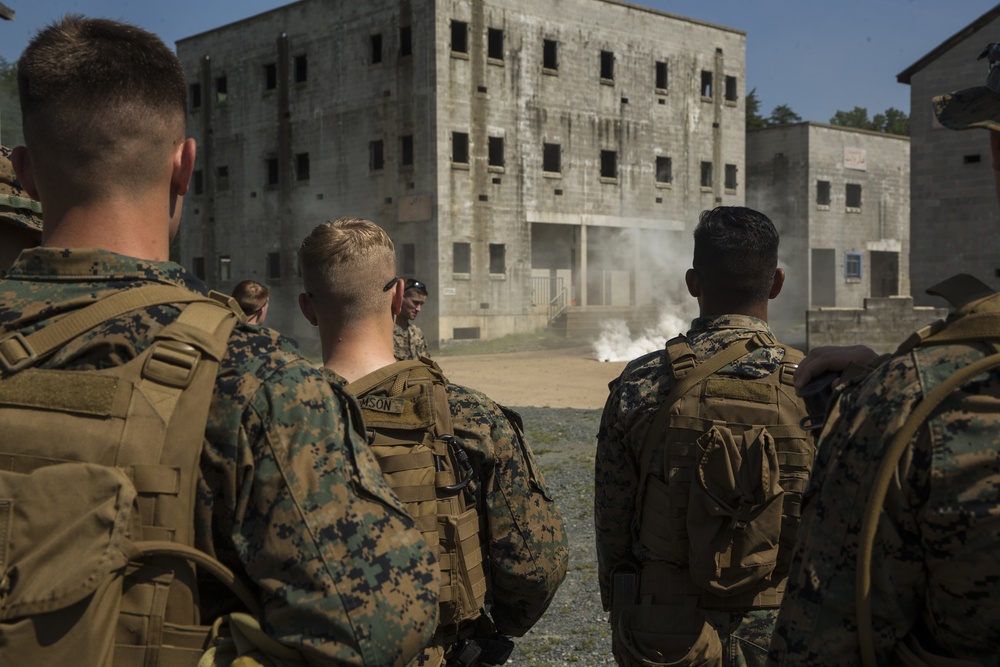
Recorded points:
(365, 384)
(883, 478)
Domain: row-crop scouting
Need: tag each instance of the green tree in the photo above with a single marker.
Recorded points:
(754, 120)
(893, 121)
(10, 108)
(896, 122)
(783, 115)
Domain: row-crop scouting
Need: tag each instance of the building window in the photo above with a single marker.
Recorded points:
(461, 257)
(225, 268)
(706, 83)
(301, 69)
(460, 147)
(494, 43)
(609, 164)
(409, 259)
(273, 265)
(552, 158)
(406, 151)
(302, 167)
(273, 174)
(222, 178)
(496, 151)
(608, 65)
(498, 258)
(731, 89)
(198, 267)
(459, 37)
(664, 170)
(198, 182)
(852, 265)
(823, 193)
(220, 90)
(195, 92)
(661, 76)
(376, 45)
(550, 54)
(376, 155)
(270, 76)
(853, 195)
(706, 174)
(730, 176)
(405, 41)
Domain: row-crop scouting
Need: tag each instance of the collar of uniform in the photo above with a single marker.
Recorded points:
(97, 265)
(331, 376)
(744, 322)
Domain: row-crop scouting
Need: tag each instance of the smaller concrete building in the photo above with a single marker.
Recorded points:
(840, 199)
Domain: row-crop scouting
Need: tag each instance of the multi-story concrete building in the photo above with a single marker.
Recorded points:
(516, 151)
(954, 204)
(840, 198)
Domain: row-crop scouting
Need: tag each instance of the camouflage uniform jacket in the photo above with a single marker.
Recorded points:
(526, 549)
(408, 343)
(634, 399)
(935, 569)
(290, 496)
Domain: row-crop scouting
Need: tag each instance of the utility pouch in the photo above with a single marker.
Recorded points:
(649, 635)
(624, 585)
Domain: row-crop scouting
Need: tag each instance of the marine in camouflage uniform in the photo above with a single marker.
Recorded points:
(637, 394)
(408, 343)
(20, 215)
(935, 571)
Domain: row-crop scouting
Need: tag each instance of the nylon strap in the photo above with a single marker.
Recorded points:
(361, 386)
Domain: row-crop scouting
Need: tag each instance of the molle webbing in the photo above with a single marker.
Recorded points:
(669, 585)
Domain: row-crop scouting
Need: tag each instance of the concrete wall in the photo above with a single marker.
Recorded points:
(882, 324)
(954, 219)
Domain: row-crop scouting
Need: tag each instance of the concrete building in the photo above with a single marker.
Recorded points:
(840, 198)
(519, 153)
(954, 204)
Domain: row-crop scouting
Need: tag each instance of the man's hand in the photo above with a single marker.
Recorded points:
(831, 358)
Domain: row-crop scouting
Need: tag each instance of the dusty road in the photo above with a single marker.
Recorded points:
(561, 378)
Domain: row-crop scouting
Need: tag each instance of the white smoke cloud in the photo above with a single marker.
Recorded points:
(617, 344)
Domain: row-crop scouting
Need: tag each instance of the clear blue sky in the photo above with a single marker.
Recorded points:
(816, 56)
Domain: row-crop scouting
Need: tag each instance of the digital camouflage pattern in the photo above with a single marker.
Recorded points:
(16, 207)
(526, 549)
(408, 343)
(634, 399)
(290, 496)
(935, 568)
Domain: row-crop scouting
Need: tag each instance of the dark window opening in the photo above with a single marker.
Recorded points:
(376, 43)
(498, 258)
(661, 76)
(302, 167)
(461, 257)
(609, 164)
(225, 268)
(198, 267)
(405, 41)
(550, 54)
(198, 184)
(552, 158)
(270, 76)
(664, 170)
(607, 65)
(406, 150)
(222, 178)
(730, 177)
(706, 83)
(377, 155)
(301, 69)
(273, 265)
(409, 259)
(823, 193)
(220, 90)
(731, 89)
(494, 43)
(459, 37)
(971, 159)
(496, 151)
(706, 174)
(273, 174)
(460, 147)
(853, 195)
(195, 91)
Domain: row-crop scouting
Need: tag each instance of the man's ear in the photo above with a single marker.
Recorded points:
(776, 283)
(693, 282)
(25, 174)
(397, 298)
(306, 306)
(183, 166)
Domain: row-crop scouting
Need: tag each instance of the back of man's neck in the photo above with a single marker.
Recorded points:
(353, 353)
(120, 229)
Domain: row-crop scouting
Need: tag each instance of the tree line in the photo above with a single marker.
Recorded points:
(892, 121)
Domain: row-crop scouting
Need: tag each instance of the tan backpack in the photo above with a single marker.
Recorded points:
(405, 407)
(98, 471)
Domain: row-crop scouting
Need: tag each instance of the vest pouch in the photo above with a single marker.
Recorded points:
(650, 635)
(734, 514)
(62, 534)
(463, 584)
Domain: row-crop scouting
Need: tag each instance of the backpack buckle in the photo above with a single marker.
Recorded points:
(682, 366)
(171, 363)
(16, 352)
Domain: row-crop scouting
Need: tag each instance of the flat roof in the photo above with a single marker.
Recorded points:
(831, 126)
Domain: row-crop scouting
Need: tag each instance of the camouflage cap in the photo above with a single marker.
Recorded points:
(16, 207)
(968, 109)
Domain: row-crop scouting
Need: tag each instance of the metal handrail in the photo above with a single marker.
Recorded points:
(558, 304)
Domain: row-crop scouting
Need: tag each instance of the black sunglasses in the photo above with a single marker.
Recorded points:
(417, 285)
(389, 285)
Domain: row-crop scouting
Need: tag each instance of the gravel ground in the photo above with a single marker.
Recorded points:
(574, 630)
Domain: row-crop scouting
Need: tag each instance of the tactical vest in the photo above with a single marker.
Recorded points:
(405, 408)
(723, 467)
(98, 472)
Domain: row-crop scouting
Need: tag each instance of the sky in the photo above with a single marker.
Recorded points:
(816, 56)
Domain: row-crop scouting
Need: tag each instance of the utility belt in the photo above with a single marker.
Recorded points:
(667, 584)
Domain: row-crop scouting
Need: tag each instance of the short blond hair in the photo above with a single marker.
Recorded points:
(346, 264)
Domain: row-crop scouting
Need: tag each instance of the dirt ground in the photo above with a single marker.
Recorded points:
(559, 378)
